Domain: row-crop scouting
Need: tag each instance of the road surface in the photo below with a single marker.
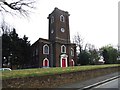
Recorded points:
(111, 84)
(83, 84)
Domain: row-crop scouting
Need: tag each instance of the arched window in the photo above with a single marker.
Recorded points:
(52, 31)
(46, 49)
(45, 62)
(62, 18)
(63, 49)
(72, 52)
(52, 19)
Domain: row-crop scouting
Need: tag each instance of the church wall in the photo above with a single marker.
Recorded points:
(43, 56)
(57, 54)
(70, 56)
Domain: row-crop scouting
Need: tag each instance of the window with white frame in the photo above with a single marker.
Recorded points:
(72, 52)
(62, 18)
(45, 49)
(52, 19)
(63, 49)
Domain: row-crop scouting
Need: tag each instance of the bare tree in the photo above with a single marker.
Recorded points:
(79, 41)
(90, 46)
(17, 6)
(4, 28)
(14, 7)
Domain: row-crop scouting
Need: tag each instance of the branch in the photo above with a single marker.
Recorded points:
(21, 6)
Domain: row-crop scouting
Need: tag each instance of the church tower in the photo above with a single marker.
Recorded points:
(59, 36)
(57, 51)
(59, 26)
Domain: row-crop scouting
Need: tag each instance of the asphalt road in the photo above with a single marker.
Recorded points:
(111, 84)
(83, 84)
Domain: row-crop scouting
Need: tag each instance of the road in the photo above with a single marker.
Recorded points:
(87, 83)
(111, 84)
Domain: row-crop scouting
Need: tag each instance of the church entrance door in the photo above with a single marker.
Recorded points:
(72, 62)
(45, 62)
(63, 62)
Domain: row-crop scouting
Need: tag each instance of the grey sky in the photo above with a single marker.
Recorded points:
(95, 20)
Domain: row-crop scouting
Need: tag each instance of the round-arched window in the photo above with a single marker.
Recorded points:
(62, 18)
(63, 49)
(46, 49)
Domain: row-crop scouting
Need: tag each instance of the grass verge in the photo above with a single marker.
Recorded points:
(50, 71)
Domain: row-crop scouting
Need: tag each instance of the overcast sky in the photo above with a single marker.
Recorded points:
(95, 20)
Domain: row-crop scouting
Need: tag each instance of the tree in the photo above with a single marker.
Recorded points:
(88, 54)
(118, 54)
(16, 6)
(84, 58)
(14, 47)
(6, 41)
(94, 54)
(16, 51)
(109, 54)
(78, 41)
(25, 51)
(5, 48)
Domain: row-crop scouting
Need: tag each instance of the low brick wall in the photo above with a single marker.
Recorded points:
(50, 81)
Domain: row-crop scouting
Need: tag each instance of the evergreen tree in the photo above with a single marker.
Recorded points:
(84, 58)
(109, 54)
(5, 48)
(16, 51)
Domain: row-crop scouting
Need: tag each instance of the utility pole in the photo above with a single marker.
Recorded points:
(118, 29)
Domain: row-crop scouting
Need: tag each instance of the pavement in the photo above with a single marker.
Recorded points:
(84, 85)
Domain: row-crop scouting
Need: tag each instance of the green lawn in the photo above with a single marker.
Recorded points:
(49, 71)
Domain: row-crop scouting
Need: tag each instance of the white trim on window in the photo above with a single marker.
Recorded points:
(72, 52)
(63, 49)
(62, 18)
(52, 19)
(45, 49)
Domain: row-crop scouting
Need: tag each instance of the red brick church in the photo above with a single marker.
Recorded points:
(57, 51)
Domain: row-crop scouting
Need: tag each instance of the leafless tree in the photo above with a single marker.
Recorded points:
(5, 28)
(17, 6)
(89, 46)
(14, 8)
(79, 41)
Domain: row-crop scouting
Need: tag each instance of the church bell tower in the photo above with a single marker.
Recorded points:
(59, 26)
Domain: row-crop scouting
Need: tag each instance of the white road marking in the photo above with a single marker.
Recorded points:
(105, 83)
(96, 84)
